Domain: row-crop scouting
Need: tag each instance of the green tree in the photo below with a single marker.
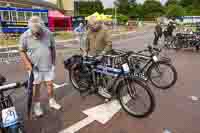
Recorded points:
(86, 8)
(192, 7)
(132, 3)
(136, 11)
(109, 11)
(186, 3)
(122, 19)
(175, 10)
(122, 5)
(133, 12)
(153, 9)
(172, 2)
(140, 10)
(99, 6)
(195, 12)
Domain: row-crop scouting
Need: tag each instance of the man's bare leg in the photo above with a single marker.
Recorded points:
(52, 102)
(36, 93)
(36, 98)
(49, 85)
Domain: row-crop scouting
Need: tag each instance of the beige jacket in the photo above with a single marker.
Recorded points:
(97, 42)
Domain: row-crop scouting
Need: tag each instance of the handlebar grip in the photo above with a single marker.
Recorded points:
(10, 86)
(157, 49)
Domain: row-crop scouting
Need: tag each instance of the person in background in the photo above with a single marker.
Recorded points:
(38, 53)
(80, 33)
(170, 28)
(157, 33)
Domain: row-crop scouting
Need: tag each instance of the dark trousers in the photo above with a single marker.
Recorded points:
(156, 38)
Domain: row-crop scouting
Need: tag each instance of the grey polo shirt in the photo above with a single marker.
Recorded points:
(38, 50)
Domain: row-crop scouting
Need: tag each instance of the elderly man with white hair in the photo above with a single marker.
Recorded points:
(37, 46)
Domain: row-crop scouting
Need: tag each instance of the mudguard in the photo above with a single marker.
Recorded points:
(75, 59)
(165, 59)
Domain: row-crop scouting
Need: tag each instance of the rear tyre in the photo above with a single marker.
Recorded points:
(136, 99)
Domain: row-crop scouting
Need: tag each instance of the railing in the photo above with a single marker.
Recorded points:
(8, 48)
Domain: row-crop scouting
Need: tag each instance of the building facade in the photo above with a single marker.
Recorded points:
(66, 5)
(28, 4)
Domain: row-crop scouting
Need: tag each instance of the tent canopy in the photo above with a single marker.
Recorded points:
(100, 17)
(56, 14)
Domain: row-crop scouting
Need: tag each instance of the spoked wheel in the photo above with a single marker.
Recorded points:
(80, 78)
(162, 75)
(136, 99)
(16, 130)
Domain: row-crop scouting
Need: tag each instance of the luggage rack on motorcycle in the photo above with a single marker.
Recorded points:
(115, 58)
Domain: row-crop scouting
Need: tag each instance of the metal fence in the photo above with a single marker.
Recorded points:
(8, 48)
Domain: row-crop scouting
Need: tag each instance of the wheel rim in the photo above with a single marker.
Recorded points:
(162, 75)
(137, 104)
(74, 79)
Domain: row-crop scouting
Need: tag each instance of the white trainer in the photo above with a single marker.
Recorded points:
(38, 110)
(104, 92)
(53, 104)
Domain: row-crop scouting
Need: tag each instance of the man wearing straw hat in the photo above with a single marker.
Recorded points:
(37, 46)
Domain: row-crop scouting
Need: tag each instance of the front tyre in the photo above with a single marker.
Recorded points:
(16, 130)
(136, 99)
(162, 75)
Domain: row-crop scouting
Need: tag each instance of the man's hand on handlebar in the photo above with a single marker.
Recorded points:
(100, 56)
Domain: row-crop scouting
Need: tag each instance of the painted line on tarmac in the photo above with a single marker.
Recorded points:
(56, 86)
(166, 130)
(194, 98)
(131, 38)
(101, 113)
(10, 51)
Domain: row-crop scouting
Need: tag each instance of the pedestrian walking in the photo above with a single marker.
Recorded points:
(157, 33)
(80, 32)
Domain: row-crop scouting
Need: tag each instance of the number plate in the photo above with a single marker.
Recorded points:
(9, 116)
(155, 58)
(126, 67)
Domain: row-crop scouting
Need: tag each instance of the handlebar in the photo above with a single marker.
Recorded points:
(98, 59)
(150, 49)
(11, 86)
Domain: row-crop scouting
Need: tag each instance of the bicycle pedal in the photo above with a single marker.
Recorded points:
(107, 100)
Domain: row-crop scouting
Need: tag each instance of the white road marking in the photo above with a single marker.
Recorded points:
(56, 86)
(193, 98)
(77, 126)
(166, 131)
(101, 113)
(10, 51)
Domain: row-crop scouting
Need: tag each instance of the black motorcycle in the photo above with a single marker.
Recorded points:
(110, 78)
(10, 120)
